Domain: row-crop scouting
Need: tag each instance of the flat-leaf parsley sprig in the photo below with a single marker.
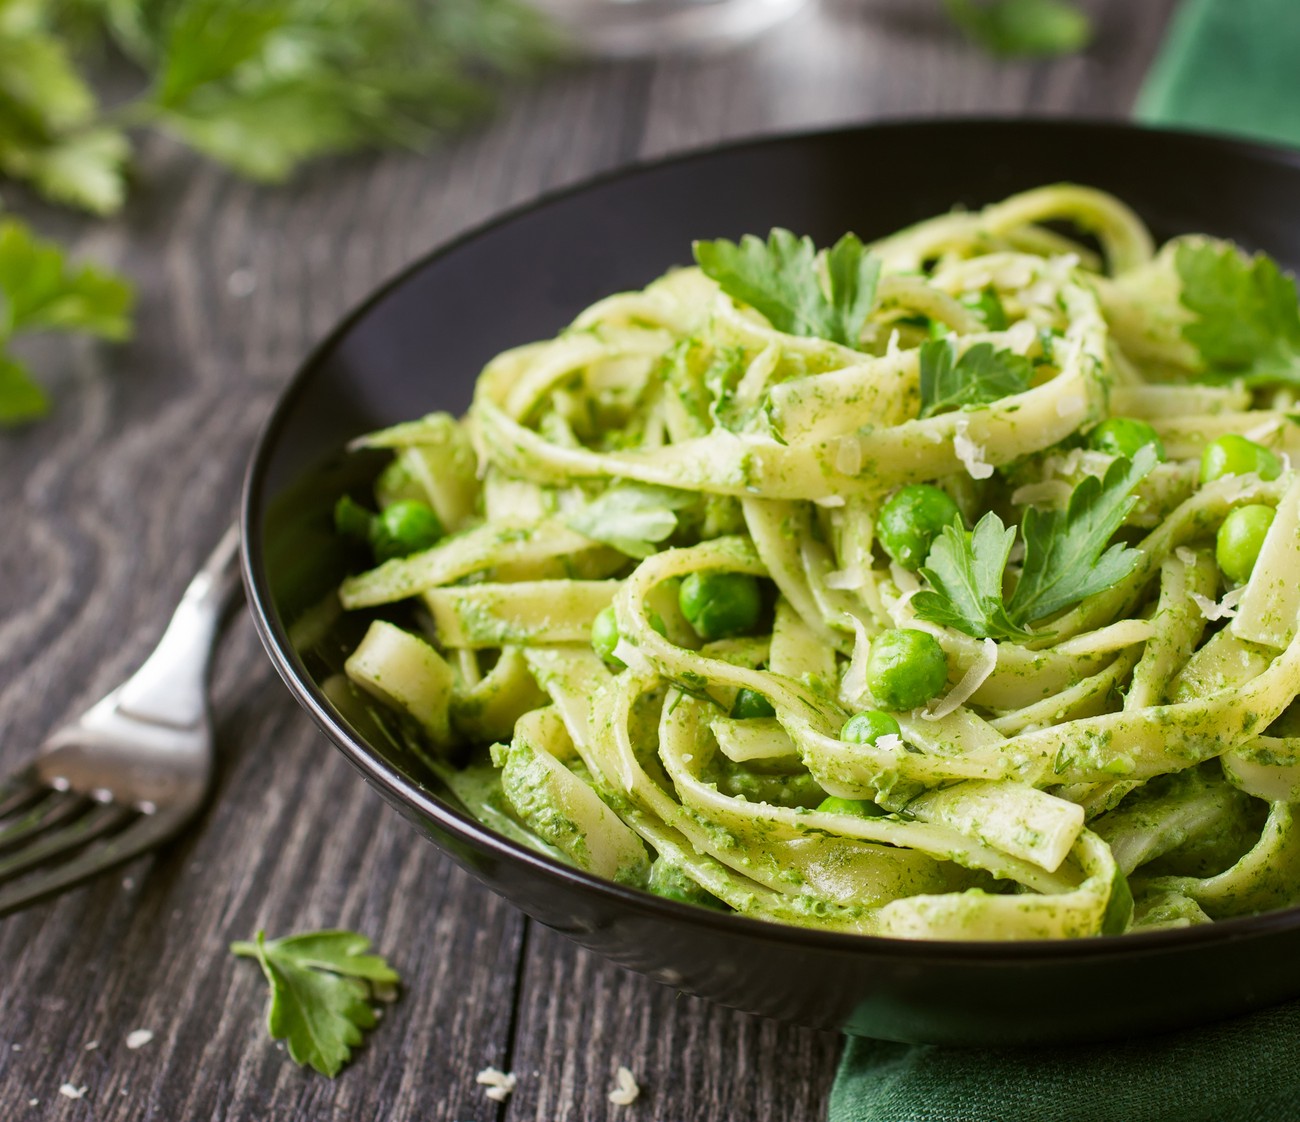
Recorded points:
(1246, 315)
(259, 87)
(634, 518)
(322, 984)
(779, 277)
(41, 291)
(1068, 557)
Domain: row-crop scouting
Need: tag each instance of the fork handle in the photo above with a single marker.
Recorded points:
(171, 687)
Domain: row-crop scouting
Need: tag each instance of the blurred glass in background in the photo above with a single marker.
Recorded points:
(632, 28)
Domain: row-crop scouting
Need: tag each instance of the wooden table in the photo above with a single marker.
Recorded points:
(113, 501)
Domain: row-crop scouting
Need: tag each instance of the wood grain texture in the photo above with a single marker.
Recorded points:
(112, 502)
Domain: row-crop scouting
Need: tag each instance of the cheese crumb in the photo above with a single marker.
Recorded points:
(68, 1091)
(241, 283)
(1260, 433)
(1186, 555)
(844, 580)
(853, 686)
(499, 1084)
(969, 453)
(631, 657)
(1042, 293)
(138, 1039)
(626, 1092)
(92, 1045)
(983, 665)
(890, 742)
(1069, 350)
(1224, 609)
(1020, 336)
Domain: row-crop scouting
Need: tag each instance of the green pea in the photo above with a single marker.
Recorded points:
(910, 521)
(1240, 539)
(1235, 455)
(719, 604)
(604, 636)
(404, 528)
(906, 668)
(833, 804)
(751, 703)
(1124, 436)
(869, 726)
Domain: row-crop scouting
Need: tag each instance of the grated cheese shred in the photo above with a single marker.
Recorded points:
(984, 665)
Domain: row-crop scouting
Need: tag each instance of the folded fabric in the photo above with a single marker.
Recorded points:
(1229, 66)
(1248, 1067)
(1225, 66)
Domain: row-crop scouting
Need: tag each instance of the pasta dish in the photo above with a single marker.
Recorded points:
(941, 587)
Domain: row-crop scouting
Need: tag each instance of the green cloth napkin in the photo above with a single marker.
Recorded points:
(1247, 1068)
(1225, 66)
(1229, 66)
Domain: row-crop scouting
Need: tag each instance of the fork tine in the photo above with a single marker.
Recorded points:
(20, 790)
(98, 820)
(53, 810)
(147, 831)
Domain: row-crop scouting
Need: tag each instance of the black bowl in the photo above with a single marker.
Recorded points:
(418, 345)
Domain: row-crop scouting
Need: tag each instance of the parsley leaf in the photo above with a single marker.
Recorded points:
(1068, 556)
(631, 517)
(21, 399)
(779, 278)
(321, 983)
(1247, 321)
(40, 291)
(49, 129)
(854, 274)
(965, 579)
(981, 375)
(987, 304)
(1022, 27)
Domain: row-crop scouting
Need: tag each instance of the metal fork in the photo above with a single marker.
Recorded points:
(129, 772)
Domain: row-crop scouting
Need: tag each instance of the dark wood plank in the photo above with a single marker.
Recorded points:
(582, 1018)
(114, 500)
